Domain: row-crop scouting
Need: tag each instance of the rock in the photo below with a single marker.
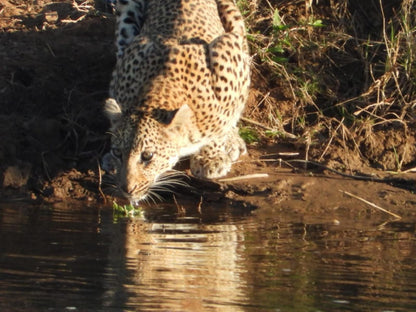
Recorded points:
(16, 176)
(51, 17)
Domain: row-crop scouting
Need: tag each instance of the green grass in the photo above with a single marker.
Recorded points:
(249, 135)
(126, 211)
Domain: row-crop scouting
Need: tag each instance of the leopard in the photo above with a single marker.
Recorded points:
(178, 89)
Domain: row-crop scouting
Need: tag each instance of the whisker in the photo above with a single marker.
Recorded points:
(166, 182)
(174, 172)
(167, 185)
(172, 177)
(111, 133)
(152, 195)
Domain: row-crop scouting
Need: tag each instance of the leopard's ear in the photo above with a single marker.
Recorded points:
(112, 110)
(182, 116)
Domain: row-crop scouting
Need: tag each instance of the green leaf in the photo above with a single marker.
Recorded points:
(279, 59)
(276, 49)
(317, 23)
(249, 135)
(273, 133)
(277, 21)
(124, 211)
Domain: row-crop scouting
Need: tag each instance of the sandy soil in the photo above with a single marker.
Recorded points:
(56, 65)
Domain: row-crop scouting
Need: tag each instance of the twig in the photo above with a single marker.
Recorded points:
(200, 205)
(410, 170)
(245, 177)
(392, 180)
(50, 49)
(256, 123)
(83, 7)
(372, 204)
(100, 180)
(330, 140)
(70, 21)
(45, 165)
(181, 209)
(307, 147)
(286, 134)
(288, 154)
(356, 177)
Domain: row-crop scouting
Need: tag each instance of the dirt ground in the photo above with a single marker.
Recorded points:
(56, 62)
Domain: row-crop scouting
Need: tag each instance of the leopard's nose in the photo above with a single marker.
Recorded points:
(128, 189)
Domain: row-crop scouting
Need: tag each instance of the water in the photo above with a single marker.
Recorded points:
(228, 258)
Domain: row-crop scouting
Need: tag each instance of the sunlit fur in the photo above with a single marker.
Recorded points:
(178, 89)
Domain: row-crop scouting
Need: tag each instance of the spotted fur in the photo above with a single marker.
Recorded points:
(178, 89)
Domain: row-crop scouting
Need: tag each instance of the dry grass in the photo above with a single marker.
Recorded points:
(339, 74)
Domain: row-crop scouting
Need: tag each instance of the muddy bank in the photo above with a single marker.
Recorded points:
(56, 63)
(280, 186)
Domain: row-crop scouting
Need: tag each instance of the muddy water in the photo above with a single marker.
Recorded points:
(216, 258)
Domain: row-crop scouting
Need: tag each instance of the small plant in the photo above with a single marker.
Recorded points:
(274, 133)
(249, 135)
(244, 7)
(277, 22)
(316, 23)
(125, 211)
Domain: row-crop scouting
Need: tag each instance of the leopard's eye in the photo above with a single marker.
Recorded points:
(146, 156)
(116, 152)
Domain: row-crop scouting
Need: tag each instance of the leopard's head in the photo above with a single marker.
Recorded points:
(144, 148)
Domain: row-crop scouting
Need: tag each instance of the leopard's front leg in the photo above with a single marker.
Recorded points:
(215, 159)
